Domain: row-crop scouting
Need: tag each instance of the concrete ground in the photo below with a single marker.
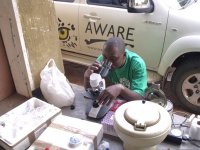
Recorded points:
(79, 112)
(74, 74)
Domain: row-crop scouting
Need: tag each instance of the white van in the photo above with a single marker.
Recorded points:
(165, 33)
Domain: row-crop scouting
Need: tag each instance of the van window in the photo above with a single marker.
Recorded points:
(65, 0)
(109, 3)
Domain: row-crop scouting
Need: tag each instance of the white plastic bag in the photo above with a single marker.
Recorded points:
(55, 87)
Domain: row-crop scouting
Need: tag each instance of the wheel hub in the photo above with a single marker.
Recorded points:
(191, 89)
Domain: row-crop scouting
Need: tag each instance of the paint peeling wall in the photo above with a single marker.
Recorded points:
(39, 26)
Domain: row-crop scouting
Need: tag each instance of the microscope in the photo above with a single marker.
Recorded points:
(97, 83)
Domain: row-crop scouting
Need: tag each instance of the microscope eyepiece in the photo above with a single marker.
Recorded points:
(106, 65)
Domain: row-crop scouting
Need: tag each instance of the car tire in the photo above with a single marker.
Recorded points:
(186, 84)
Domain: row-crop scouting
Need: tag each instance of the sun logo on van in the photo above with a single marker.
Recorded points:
(66, 36)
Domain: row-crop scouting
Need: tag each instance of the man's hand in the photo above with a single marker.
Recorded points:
(91, 69)
(110, 94)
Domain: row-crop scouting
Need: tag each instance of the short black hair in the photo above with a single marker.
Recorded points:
(115, 42)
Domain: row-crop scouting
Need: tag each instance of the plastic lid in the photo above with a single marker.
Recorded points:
(140, 119)
(144, 115)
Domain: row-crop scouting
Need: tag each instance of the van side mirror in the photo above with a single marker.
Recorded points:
(140, 6)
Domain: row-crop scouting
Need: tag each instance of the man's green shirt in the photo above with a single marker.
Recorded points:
(132, 74)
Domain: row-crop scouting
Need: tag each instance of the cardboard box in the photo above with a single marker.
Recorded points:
(63, 128)
(107, 120)
(22, 125)
(107, 123)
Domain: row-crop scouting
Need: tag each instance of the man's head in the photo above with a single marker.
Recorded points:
(114, 51)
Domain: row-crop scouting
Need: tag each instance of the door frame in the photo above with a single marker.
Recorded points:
(14, 43)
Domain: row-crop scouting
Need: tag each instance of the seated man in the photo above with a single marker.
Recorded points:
(128, 76)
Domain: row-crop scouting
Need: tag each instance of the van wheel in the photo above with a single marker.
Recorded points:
(186, 85)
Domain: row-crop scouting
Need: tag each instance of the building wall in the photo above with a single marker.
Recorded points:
(30, 35)
(39, 26)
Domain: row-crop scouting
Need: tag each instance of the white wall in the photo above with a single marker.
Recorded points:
(29, 32)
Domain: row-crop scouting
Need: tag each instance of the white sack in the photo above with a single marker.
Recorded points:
(55, 87)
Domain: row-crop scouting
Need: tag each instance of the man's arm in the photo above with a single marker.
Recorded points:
(113, 91)
(91, 69)
(129, 95)
(86, 82)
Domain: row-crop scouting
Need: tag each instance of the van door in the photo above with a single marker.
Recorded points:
(142, 32)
